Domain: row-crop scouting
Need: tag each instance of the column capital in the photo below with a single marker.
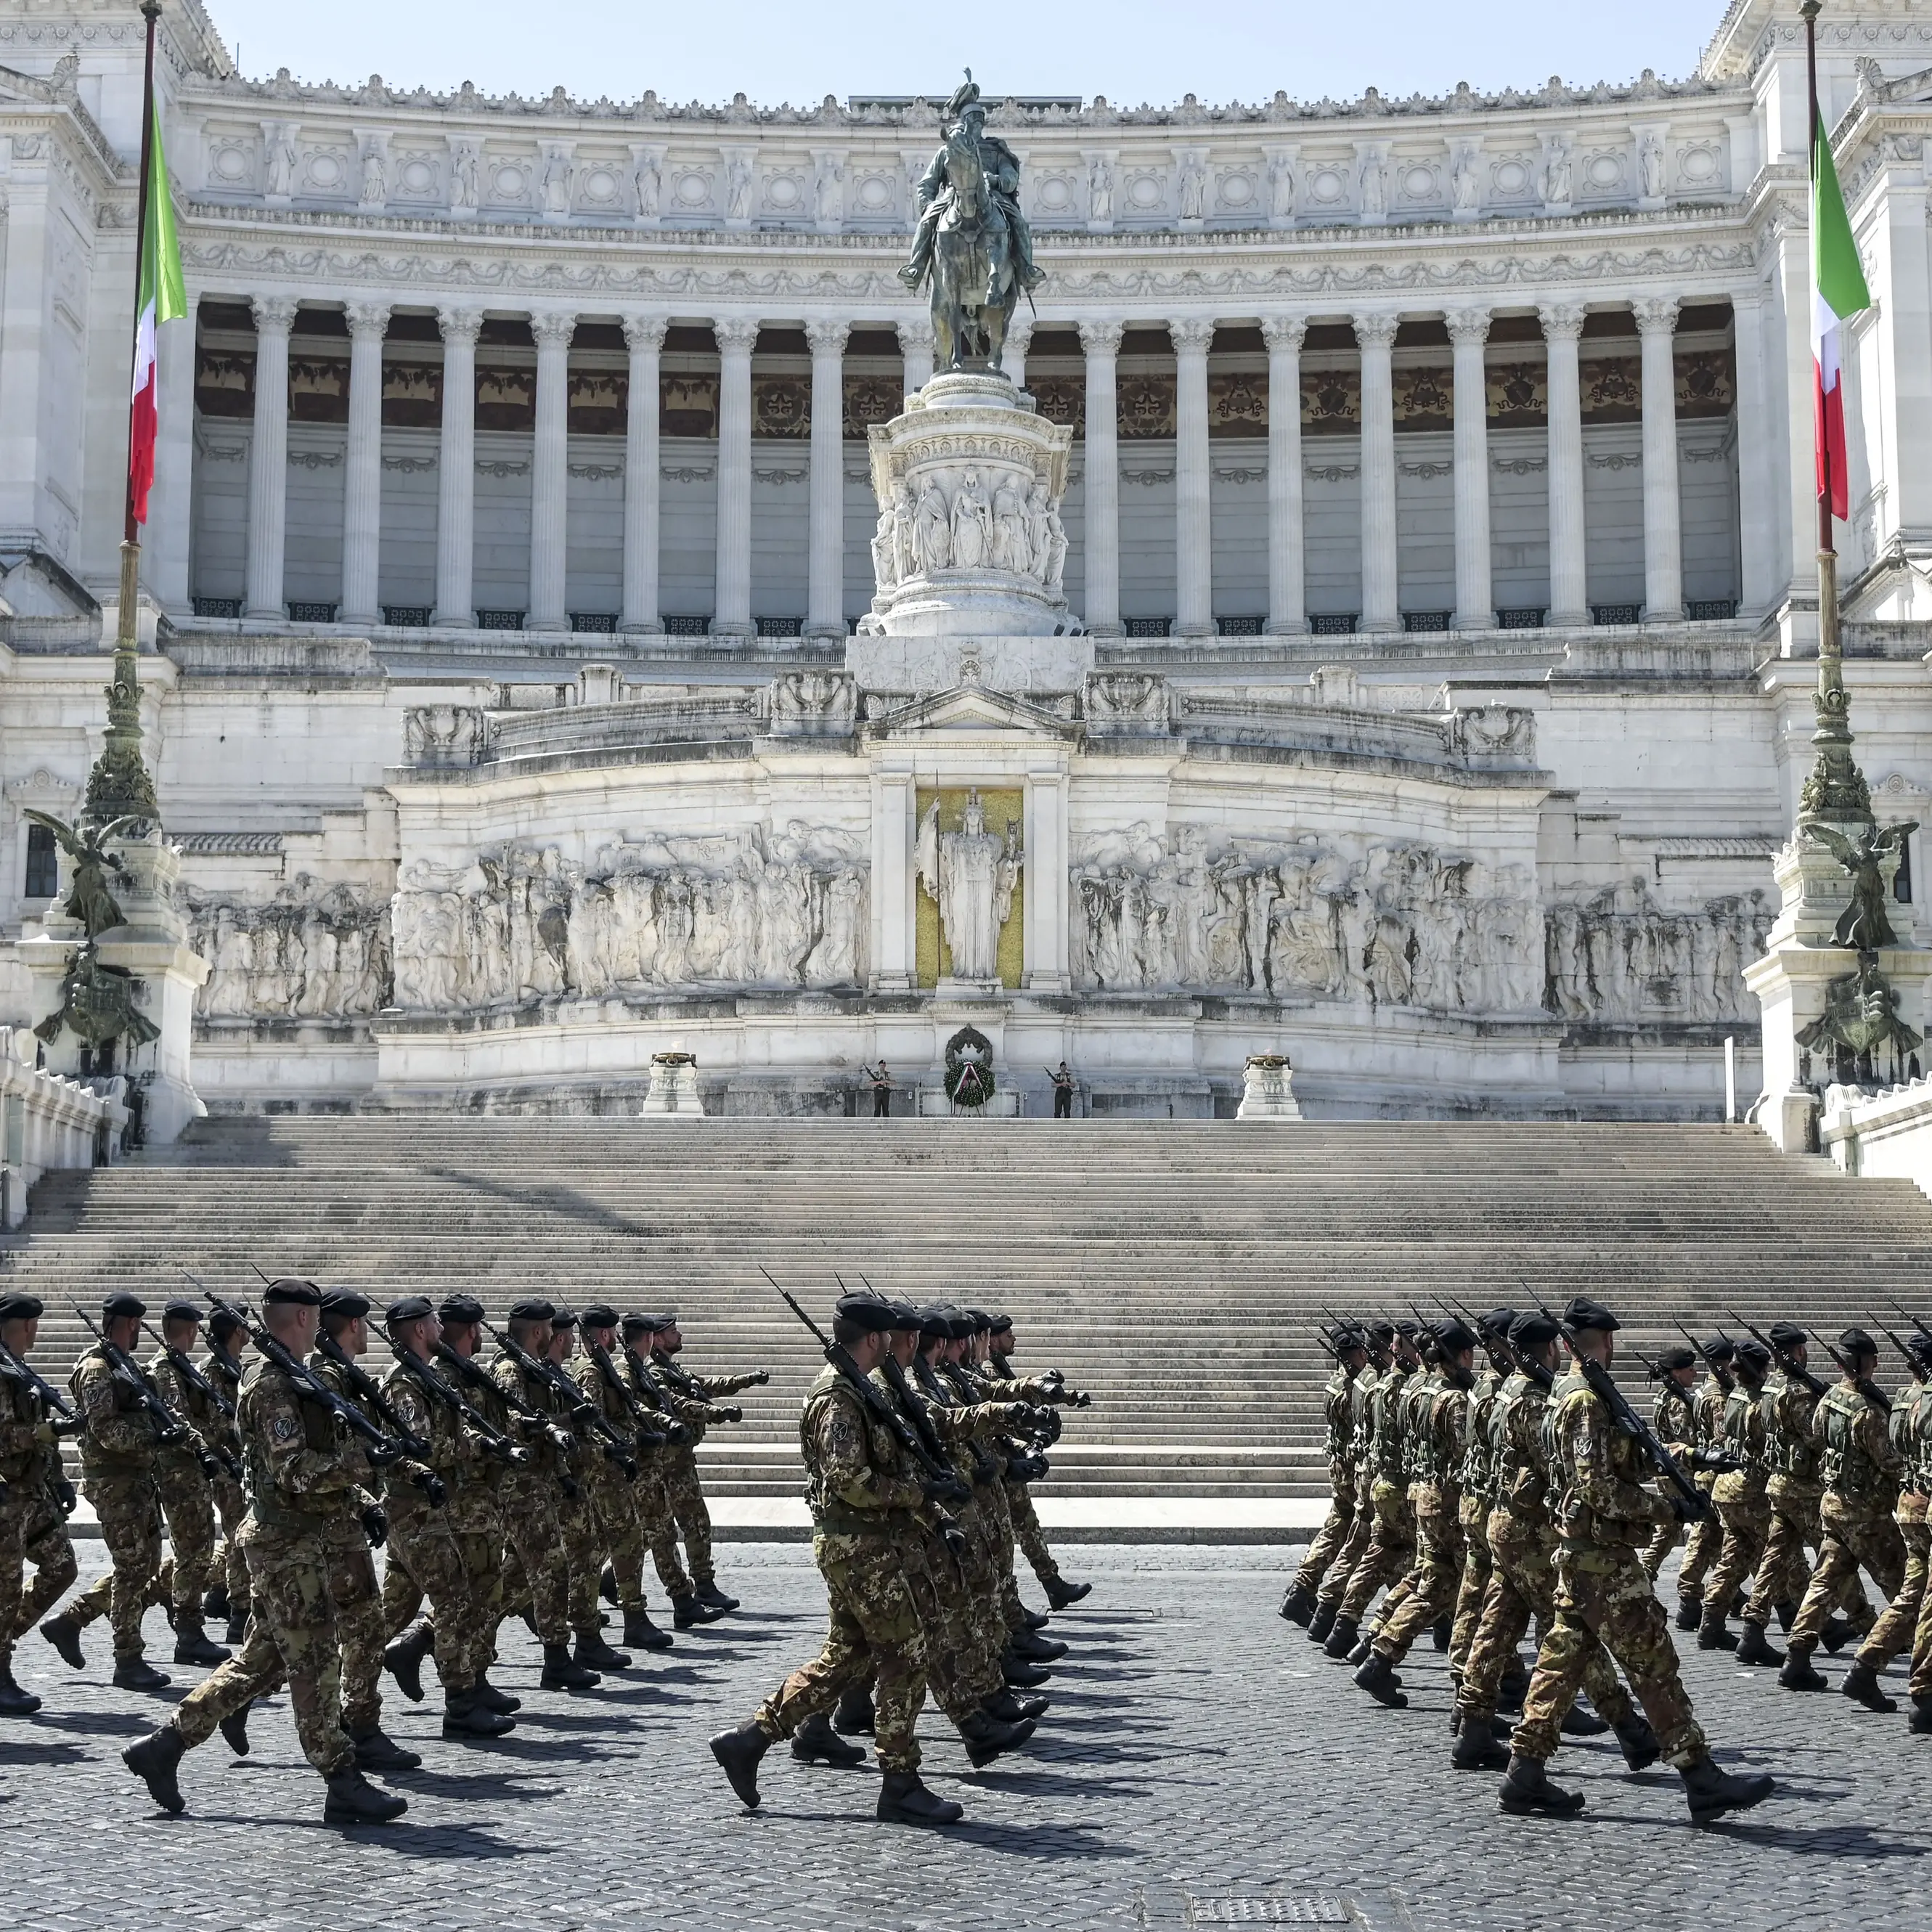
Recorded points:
(1376, 329)
(1019, 333)
(1562, 322)
(645, 331)
(274, 315)
(1102, 335)
(1656, 315)
(460, 325)
(735, 334)
(554, 328)
(1467, 325)
(1284, 332)
(915, 334)
(825, 335)
(367, 320)
(1192, 335)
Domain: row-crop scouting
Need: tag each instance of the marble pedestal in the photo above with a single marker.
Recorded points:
(1267, 1089)
(673, 1092)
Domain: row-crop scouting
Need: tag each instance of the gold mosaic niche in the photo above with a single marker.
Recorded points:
(932, 955)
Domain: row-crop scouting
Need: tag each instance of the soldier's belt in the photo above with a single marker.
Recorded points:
(839, 1519)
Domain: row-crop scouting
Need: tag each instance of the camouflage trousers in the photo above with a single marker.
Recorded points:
(1784, 1571)
(292, 1639)
(32, 1530)
(1602, 1598)
(1361, 1527)
(188, 1505)
(535, 1570)
(1031, 1537)
(962, 1669)
(460, 1570)
(1436, 1577)
(1700, 1554)
(620, 1534)
(231, 1504)
(129, 1507)
(1000, 1517)
(874, 1633)
(1390, 1549)
(1477, 1564)
(1893, 1632)
(1920, 1684)
(980, 1601)
(1746, 1524)
(688, 1512)
(651, 1495)
(1855, 1538)
(1522, 1586)
(582, 1543)
(1332, 1538)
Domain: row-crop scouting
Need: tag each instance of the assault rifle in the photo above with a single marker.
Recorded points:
(1495, 1343)
(584, 1415)
(169, 1431)
(1721, 1376)
(460, 1406)
(1876, 1398)
(367, 1388)
(16, 1368)
(657, 1427)
(1793, 1370)
(183, 1365)
(1914, 1367)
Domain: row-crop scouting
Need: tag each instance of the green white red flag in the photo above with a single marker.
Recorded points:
(1838, 292)
(161, 296)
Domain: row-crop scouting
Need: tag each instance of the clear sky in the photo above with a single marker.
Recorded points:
(1131, 50)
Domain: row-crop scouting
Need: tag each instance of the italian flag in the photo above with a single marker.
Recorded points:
(1838, 291)
(162, 297)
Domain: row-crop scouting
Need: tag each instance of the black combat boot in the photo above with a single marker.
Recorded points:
(1513, 1687)
(1838, 1631)
(136, 1673)
(1364, 1644)
(561, 1672)
(903, 1800)
(236, 1634)
(15, 1702)
(713, 1598)
(607, 1584)
(467, 1720)
(1298, 1605)
(1637, 1741)
(1787, 1614)
(687, 1610)
(193, 1645)
(1754, 1647)
(404, 1658)
(1476, 1748)
(1340, 1640)
(1861, 1685)
(1712, 1792)
(739, 1752)
(1377, 1677)
(594, 1654)
(1035, 1648)
(376, 1751)
(64, 1633)
(816, 1742)
(215, 1603)
(1321, 1623)
(1441, 1631)
(1797, 1674)
(353, 1800)
(642, 1634)
(1010, 1708)
(1527, 1789)
(153, 1760)
(1920, 1722)
(852, 1715)
(1060, 1593)
(486, 1694)
(1022, 1674)
(986, 1738)
(1035, 1619)
(1689, 1613)
(234, 1729)
(1713, 1633)
(1578, 1722)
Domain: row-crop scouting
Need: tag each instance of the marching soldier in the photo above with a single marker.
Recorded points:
(1351, 1356)
(1893, 1632)
(1673, 1418)
(228, 1598)
(1061, 1594)
(1477, 1479)
(1391, 1548)
(1741, 1504)
(1378, 1337)
(651, 1493)
(36, 1498)
(184, 1476)
(1707, 1535)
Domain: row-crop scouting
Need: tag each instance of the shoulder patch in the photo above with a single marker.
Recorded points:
(284, 1428)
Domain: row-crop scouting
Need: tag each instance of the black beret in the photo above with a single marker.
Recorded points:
(561, 1317)
(410, 1308)
(1498, 1320)
(661, 1322)
(344, 1304)
(1919, 1343)
(1410, 1331)
(1678, 1356)
(1452, 1336)
(1856, 1342)
(1533, 1330)
(1001, 1325)
(464, 1308)
(870, 1312)
(634, 1325)
(962, 1321)
(531, 1309)
(123, 1303)
(1382, 1330)
(21, 1307)
(223, 1322)
(981, 1322)
(1787, 1335)
(1721, 1349)
(599, 1314)
(183, 1311)
(906, 1317)
(1582, 1313)
(933, 1324)
(290, 1291)
(1752, 1355)
(1348, 1335)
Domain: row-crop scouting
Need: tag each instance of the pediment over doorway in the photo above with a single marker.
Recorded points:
(972, 708)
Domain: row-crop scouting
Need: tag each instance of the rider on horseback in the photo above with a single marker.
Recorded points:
(935, 196)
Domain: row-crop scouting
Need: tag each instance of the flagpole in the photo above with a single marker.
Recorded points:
(119, 783)
(1829, 644)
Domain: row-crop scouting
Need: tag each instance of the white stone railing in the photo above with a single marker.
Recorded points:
(1885, 1135)
(48, 1121)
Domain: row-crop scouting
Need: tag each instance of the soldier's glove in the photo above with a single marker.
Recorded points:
(567, 1484)
(1715, 1462)
(730, 1412)
(561, 1441)
(678, 1435)
(1053, 1382)
(952, 1536)
(1082, 1400)
(945, 1489)
(381, 1455)
(171, 1437)
(211, 1467)
(376, 1525)
(759, 1377)
(68, 1498)
(65, 1425)
(432, 1486)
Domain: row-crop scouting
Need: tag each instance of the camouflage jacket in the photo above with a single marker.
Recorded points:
(859, 1479)
(1599, 1473)
(1442, 1436)
(1516, 1450)
(330, 1374)
(1740, 1433)
(1911, 1436)
(1385, 1436)
(1338, 1417)
(1860, 1466)
(204, 1422)
(29, 1451)
(456, 1453)
(1791, 1445)
(303, 1478)
(117, 1436)
(1477, 1472)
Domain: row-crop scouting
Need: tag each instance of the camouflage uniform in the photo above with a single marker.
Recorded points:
(1739, 1496)
(117, 1452)
(1862, 1472)
(1604, 1519)
(1673, 1418)
(865, 1506)
(1362, 1522)
(651, 1495)
(1914, 1441)
(305, 1502)
(610, 1509)
(1337, 1415)
(33, 1521)
(1476, 1478)
(536, 1569)
(997, 1383)
(187, 1493)
(1441, 1438)
(1893, 1632)
(231, 1500)
(1391, 1544)
(1418, 1397)
(695, 1400)
(1795, 1492)
(1707, 1534)
(1522, 1576)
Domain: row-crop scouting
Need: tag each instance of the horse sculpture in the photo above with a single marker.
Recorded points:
(974, 290)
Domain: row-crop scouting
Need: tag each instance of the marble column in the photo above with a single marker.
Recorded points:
(1663, 527)
(1475, 604)
(1380, 606)
(362, 472)
(268, 459)
(1287, 574)
(643, 483)
(550, 474)
(456, 482)
(1569, 601)
(1019, 339)
(1758, 517)
(825, 542)
(915, 334)
(1193, 529)
(732, 616)
(1101, 342)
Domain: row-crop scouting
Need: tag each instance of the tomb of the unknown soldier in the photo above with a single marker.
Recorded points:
(970, 1010)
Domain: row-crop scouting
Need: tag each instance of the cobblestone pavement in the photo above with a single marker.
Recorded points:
(1202, 1766)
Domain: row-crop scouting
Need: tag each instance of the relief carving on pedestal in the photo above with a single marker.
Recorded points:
(1617, 955)
(313, 951)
